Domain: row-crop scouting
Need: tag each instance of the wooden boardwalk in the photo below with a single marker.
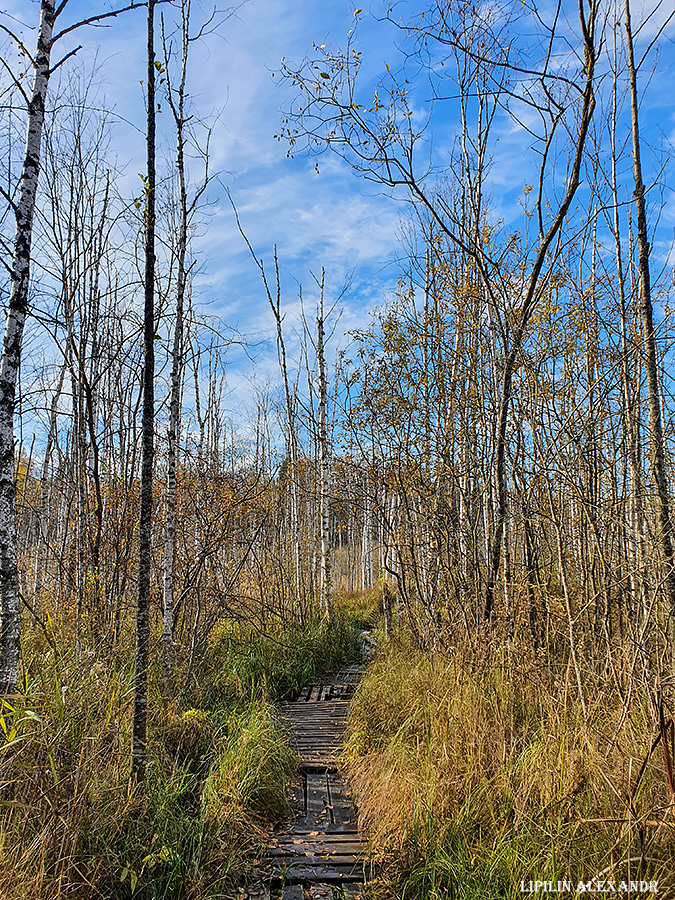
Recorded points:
(321, 853)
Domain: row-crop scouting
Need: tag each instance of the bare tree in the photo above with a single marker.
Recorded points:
(139, 749)
(656, 437)
(176, 94)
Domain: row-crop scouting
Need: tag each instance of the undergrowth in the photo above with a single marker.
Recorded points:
(218, 770)
(473, 778)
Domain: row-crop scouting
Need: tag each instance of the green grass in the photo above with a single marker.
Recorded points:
(218, 770)
(247, 663)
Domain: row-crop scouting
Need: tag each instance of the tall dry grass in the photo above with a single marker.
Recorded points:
(218, 772)
(474, 775)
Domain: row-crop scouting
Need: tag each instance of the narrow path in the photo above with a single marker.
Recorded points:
(320, 855)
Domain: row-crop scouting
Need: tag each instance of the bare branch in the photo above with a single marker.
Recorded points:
(95, 20)
(66, 57)
(16, 81)
(18, 41)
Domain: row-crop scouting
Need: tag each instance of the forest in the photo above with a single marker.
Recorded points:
(469, 495)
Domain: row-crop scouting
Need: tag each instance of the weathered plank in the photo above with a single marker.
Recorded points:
(290, 861)
(301, 829)
(331, 873)
(293, 892)
(317, 807)
(324, 843)
(342, 809)
(322, 848)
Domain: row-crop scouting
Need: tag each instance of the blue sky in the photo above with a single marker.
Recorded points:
(331, 218)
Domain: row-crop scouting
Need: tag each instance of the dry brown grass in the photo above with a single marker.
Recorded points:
(463, 771)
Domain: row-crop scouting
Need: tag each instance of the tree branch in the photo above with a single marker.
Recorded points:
(94, 20)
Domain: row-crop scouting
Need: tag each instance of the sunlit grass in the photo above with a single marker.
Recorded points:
(473, 778)
(218, 770)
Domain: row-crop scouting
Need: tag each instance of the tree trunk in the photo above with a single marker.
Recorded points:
(178, 109)
(658, 456)
(139, 755)
(324, 463)
(11, 353)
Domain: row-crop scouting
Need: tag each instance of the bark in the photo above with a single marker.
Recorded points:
(658, 457)
(178, 108)
(324, 463)
(139, 754)
(11, 353)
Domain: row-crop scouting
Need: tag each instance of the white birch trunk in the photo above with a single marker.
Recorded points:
(324, 462)
(11, 353)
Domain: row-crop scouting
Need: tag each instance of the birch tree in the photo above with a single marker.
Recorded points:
(324, 459)
(24, 209)
(17, 309)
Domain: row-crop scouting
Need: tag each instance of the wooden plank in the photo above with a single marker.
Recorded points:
(300, 829)
(353, 891)
(354, 851)
(323, 845)
(334, 874)
(332, 838)
(293, 892)
(320, 838)
(342, 810)
(291, 860)
(317, 807)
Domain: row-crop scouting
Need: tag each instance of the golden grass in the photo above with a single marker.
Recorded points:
(473, 774)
